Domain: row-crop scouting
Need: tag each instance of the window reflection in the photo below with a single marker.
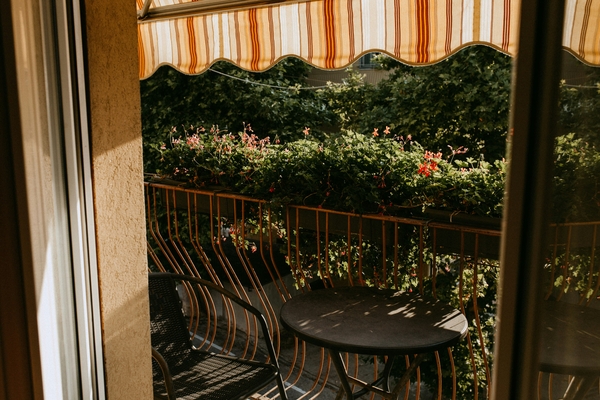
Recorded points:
(570, 345)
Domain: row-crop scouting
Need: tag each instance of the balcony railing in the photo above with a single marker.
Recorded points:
(266, 254)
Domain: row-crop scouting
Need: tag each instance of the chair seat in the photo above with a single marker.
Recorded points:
(208, 376)
(183, 372)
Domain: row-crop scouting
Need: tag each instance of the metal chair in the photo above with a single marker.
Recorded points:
(181, 370)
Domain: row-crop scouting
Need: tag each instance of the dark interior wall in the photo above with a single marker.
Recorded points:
(16, 377)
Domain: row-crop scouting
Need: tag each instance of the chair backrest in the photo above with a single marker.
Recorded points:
(169, 332)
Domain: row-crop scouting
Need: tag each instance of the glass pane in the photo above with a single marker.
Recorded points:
(392, 177)
(570, 346)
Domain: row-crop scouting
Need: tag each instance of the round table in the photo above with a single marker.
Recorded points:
(570, 344)
(373, 321)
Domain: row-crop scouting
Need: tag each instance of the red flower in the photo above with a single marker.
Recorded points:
(427, 167)
(424, 170)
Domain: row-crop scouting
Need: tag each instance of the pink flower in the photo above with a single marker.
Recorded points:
(193, 141)
(306, 131)
(253, 248)
(387, 130)
(375, 132)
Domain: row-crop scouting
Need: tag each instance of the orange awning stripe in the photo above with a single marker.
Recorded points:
(332, 34)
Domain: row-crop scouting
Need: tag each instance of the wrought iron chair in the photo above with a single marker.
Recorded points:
(185, 365)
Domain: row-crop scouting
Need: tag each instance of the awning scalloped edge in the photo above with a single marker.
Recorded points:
(332, 34)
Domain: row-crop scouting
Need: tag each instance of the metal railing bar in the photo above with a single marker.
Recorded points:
(195, 241)
(191, 262)
(275, 332)
(216, 245)
(321, 242)
(242, 253)
(162, 244)
(553, 263)
(407, 390)
(468, 229)
(317, 377)
(289, 245)
(175, 240)
(349, 250)
(462, 309)
(183, 188)
(328, 272)
(434, 263)
(453, 372)
(396, 247)
(439, 372)
(261, 230)
(591, 271)
(318, 235)
(477, 318)
(418, 385)
(227, 265)
(565, 267)
(384, 256)
(360, 252)
(421, 263)
(595, 295)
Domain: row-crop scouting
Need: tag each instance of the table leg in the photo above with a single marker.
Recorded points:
(404, 379)
(338, 362)
(386, 373)
(383, 378)
(336, 358)
(340, 394)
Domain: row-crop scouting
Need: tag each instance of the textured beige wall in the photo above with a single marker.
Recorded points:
(111, 30)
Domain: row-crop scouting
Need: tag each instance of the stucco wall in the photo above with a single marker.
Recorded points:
(111, 30)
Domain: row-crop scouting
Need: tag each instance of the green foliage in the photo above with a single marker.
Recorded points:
(472, 354)
(576, 180)
(459, 103)
(573, 272)
(350, 100)
(462, 101)
(348, 172)
(369, 174)
(579, 105)
(170, 99)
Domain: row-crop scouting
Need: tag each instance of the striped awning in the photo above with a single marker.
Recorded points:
(331, 34)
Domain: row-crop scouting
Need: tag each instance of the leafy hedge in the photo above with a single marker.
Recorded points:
(377, 173)
(351, 172)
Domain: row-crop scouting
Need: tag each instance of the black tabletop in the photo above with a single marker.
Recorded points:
(372, 321)
(570, 339)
